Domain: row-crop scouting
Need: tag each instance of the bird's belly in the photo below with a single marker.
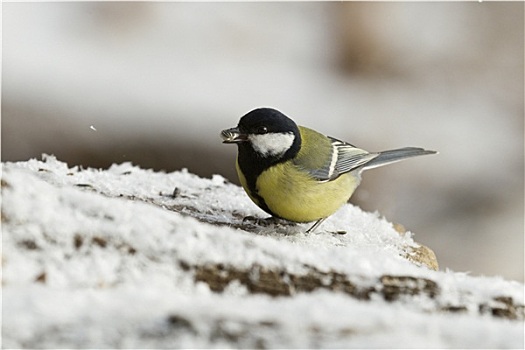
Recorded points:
(295, 196)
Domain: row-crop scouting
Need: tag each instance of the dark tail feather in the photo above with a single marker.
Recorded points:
(396, 155)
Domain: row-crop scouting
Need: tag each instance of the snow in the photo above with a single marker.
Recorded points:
(108, 321)
(96, 259)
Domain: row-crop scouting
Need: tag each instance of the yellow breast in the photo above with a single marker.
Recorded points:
(293, 195)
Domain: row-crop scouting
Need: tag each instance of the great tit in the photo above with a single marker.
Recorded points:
(295, 173)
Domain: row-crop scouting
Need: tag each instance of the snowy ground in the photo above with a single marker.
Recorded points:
(119, 258)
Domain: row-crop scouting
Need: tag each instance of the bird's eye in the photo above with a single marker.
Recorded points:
(262, 129)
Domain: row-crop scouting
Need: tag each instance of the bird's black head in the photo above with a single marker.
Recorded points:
(265, 133)
(266, 121)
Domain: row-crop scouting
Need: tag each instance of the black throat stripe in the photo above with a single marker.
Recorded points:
(252, 165)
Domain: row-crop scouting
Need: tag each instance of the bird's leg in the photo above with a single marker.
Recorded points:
(315, 226)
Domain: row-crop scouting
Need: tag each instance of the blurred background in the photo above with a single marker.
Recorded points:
(154, 83)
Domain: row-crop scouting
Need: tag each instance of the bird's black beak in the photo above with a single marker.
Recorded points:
(233, 135)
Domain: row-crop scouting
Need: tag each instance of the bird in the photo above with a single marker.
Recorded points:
(297, 174)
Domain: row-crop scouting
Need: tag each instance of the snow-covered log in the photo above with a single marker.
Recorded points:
(131, 258)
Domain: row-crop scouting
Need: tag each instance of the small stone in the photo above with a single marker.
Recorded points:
(424, 256)
(420, 255)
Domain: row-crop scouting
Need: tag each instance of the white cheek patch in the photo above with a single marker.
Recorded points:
(272, 144)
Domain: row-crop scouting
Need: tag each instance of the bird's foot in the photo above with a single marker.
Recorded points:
(315, 225)
(272, 220)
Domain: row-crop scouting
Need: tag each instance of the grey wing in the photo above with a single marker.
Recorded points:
(348, 158)
(344, 158)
